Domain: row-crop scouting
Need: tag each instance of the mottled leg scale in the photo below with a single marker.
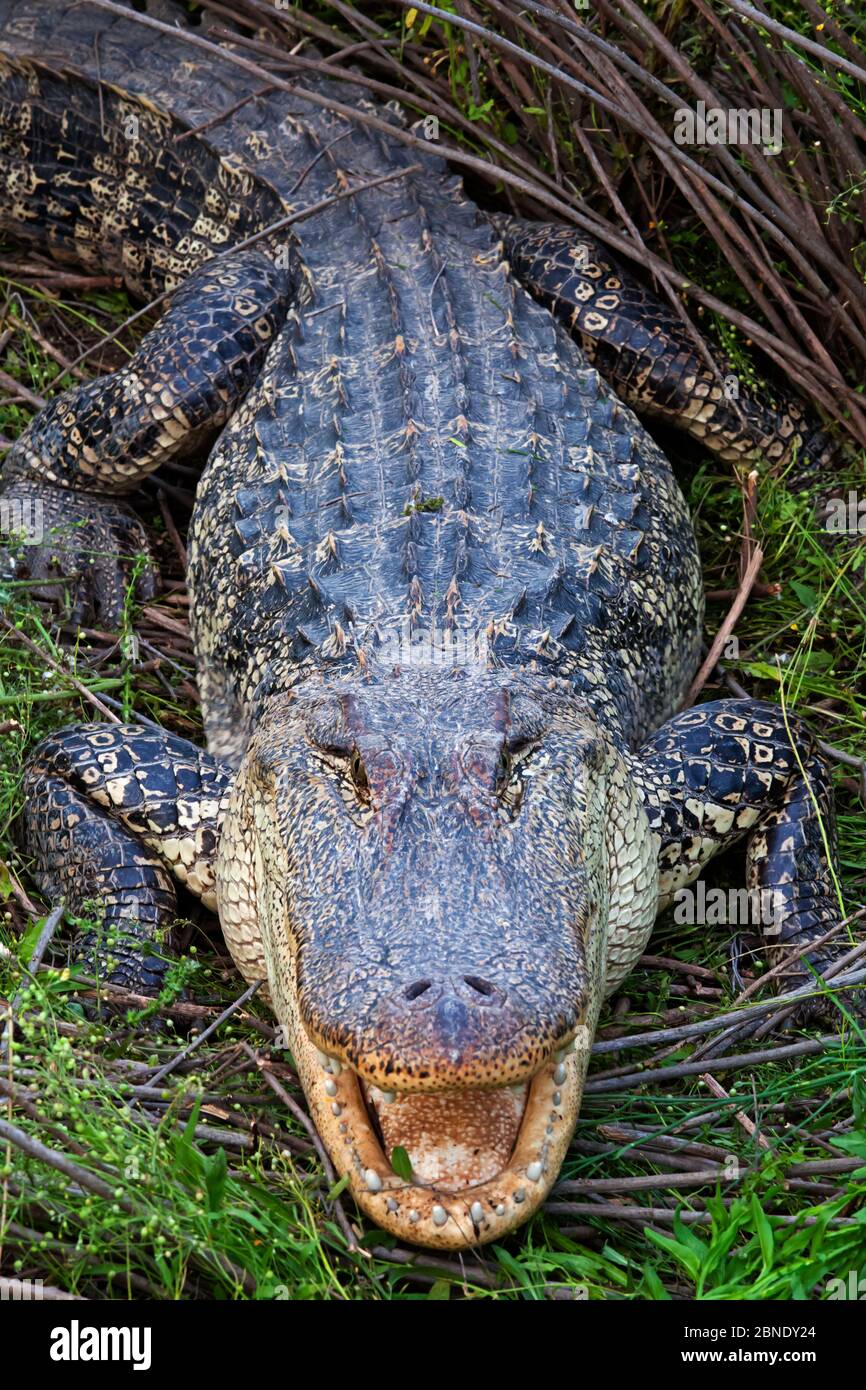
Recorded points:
(640, 345)
(114, 815)
(733, 770)
(95, 443)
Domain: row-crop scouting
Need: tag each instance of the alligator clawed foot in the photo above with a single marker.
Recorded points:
(828, 1003)
(121, 965)
(827, 1010)
(824, 1003)
(85, 554)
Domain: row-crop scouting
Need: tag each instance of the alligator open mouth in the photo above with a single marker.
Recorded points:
(452, 1139)
(448, 1168)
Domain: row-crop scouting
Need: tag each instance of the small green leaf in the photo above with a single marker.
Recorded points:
(440, 1290)
(424, 504)
(764, 1233)
(853, 1144)
(339, 1186)
(215, 1175)
(805, 593)
(689, 1259)
(653, 1284)
(762, 670)
(26, 944)
(401, 1163)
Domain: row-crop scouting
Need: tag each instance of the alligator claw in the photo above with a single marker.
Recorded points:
(820, 1010)
(126, 964)
(81, 549)
(826, 1010)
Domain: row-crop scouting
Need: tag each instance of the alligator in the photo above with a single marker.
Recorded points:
(446, 603)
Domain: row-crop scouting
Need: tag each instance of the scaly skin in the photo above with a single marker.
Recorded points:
(446, 600)
(640, 343)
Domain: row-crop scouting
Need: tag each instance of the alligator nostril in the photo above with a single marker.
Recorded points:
(417, 989)
(480, 986)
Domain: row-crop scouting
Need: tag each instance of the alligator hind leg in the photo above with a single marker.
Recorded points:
(93, 445)
(642, 348)
(731, 770)
(113, 816)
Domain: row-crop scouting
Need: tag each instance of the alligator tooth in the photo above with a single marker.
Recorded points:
(393, 1204)
(373, 1181)
(476, 1211)
(440, 1216)
(557, 1097)
(324, 1059)
(500, 1210)
(336, 1065)
(330, 1088)
(533, 1172)
(336, 1109)
(414, 1216)
(520, 1194)
(376, 1095)
(560, 1074)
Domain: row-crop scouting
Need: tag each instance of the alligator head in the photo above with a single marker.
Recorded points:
(427, 856)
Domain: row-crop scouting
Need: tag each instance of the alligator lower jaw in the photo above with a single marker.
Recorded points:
(458, 1198)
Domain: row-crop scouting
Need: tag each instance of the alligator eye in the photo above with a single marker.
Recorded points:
(347, 763)
(359, 776)
(509, 779)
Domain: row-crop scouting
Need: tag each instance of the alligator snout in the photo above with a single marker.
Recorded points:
(462, 1023)
(439, 1031)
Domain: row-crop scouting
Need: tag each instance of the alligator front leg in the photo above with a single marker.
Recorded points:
(66, 476)
(113, 816)
(732, 770)
(642, 348)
